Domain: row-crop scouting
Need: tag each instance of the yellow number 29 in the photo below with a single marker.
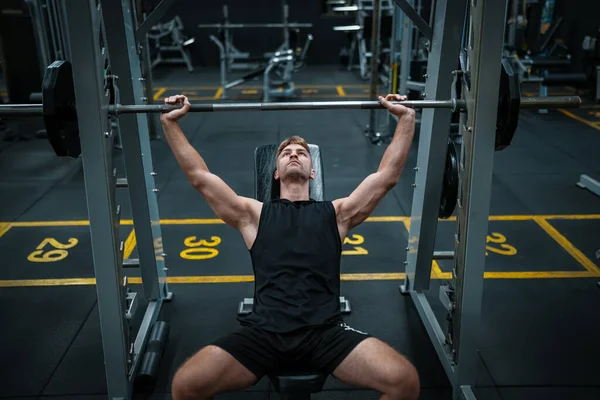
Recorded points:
(39, 255)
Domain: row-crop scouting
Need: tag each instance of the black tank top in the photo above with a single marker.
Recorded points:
(296, 259)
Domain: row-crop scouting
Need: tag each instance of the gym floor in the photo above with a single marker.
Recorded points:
(539, 327)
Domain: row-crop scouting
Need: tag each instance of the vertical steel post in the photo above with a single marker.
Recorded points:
(476, 170)
(406, 52)
(435, 123)
(136, 147)
(89, 58)
(376, 18)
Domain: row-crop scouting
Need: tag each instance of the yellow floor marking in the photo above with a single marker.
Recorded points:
(585, 216)
(130, 244)
(218, 94)
(502, 218)
(384, 276)
(509, 217)
(205, 279)
(200, 221)
(526, 217)
(159, 93)
(390, 276)
(537, 275)
(568, 246)
(213, 221)
(578, 118)
(529, 275)
(387, 219)
(436, 270)
(406, 222)
(591, 272)
(340, 91)
(4, 228)
(52, 223)
(48, 282)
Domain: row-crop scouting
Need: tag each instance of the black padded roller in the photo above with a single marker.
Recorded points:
(545, 62)
(564, 78)
(149, 367)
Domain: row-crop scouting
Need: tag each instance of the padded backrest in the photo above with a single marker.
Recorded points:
(267, 188)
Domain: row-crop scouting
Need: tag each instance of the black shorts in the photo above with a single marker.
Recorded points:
(319, 349)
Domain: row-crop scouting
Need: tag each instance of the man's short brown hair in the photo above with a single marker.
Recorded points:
(292, 140)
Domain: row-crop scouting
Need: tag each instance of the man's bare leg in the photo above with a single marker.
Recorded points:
(210, 371)
(375, 365)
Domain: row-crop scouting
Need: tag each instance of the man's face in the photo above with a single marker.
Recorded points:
(294, 163)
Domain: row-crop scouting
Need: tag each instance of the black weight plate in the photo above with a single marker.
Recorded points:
(450, 185)
(509, 104)
(60, 114)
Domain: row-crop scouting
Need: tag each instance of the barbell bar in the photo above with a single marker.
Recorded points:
(291, 106)
(453, 104)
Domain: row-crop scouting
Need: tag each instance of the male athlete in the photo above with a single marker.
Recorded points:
(295, 245)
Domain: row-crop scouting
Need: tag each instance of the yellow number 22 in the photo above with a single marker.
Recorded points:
(499, 239)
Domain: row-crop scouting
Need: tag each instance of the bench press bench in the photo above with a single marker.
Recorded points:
(291, 384)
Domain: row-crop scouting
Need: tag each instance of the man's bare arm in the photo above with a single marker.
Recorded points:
(234, 210)
(354, 209)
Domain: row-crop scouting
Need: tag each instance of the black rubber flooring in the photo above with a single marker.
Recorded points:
(539, 326)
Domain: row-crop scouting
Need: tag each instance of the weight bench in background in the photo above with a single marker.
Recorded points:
(170, 38)
(277, 71)
(278, 74)
(294, 384)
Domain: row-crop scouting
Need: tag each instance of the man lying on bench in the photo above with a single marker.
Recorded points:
(295, 245)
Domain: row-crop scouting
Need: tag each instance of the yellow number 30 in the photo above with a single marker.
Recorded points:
(52, 255)
(200, 249)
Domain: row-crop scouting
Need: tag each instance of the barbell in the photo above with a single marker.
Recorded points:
(59, 109)
(32, 110)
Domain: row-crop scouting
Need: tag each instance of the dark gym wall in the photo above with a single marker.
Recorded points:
(582, 17)
(324, 49)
